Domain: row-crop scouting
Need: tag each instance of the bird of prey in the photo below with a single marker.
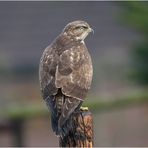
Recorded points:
(65, 73)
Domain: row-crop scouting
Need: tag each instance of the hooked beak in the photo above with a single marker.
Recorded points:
(91, 30)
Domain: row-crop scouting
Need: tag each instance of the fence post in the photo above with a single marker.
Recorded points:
(81, 134)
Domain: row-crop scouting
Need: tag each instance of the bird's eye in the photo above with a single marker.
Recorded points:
(81, 28)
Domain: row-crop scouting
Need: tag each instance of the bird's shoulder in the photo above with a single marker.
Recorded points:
(73, 51)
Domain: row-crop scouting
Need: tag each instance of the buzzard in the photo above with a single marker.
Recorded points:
(65, 73)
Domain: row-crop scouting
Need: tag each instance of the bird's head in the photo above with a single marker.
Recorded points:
(77, 30)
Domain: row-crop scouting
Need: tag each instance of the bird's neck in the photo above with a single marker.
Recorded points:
(67, 40)
(64, 42)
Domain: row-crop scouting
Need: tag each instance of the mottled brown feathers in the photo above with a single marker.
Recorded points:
(66, 71)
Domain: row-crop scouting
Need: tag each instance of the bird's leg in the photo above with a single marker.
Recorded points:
(84, 108)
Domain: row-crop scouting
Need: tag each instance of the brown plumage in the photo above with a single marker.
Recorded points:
(65, 74)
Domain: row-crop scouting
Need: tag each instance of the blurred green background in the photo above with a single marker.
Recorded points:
(119, 48)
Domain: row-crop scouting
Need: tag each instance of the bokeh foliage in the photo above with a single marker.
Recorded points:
(136, 15)
(139, 63)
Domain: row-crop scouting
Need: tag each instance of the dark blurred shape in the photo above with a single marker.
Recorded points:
(17, 129)
(139, 64)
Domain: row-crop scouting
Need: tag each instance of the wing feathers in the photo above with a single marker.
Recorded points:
(65, 77)
(74, 72)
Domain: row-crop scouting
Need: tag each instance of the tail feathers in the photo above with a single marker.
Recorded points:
(69, 107)
(67, 126)
(54, 124)
(60, 116)
(50, 102)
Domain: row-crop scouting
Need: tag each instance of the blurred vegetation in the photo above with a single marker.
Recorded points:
(22, 111)
(136, 15)
(139, 63)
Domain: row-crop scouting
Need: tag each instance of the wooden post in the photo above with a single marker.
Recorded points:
(81, 134)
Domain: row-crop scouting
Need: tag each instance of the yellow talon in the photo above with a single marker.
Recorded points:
(84, 108)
